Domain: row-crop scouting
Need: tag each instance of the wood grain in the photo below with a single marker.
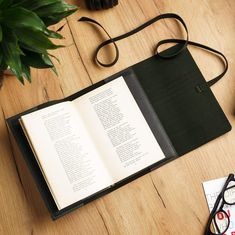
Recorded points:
(169, 200)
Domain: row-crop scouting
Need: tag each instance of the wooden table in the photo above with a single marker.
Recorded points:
(170, 200)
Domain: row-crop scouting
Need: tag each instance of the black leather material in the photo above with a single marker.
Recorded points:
(182, 44)
(185, 118)
(190, 118)
(106, 4)
(100, 4)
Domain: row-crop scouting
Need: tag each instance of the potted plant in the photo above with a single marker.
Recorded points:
(24, 34)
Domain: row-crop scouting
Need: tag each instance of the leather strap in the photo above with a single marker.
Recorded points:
(202, 87)
(183, 42)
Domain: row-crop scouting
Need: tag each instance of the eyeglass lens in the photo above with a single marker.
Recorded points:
(220, 223)
(229, 193)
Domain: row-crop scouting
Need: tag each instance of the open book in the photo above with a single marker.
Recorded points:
(88, 144)
(105, 136)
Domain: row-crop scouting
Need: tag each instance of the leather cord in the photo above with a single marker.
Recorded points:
(183, 42)
(134, 31)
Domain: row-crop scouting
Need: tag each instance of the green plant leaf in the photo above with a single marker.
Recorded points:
(36, 60)
(34, 4)
(47, 60)
(19, 17)
(58, 11)
(0, 33)
(3, 65)
(53, 34)
(54, 70)
(35, 40)
(26, 72)
(27, 47)
(55, 8)
(54, 57)
(24, 36)
(55, 18)
(1, 56)
(5, 3)
(11, 54)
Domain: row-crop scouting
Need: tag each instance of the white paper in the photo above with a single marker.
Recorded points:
(212, 189)
(65, 153)
(118, 128)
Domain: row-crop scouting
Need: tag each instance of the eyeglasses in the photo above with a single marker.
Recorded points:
(219, 220)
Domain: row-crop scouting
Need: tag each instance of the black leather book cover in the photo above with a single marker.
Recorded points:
(181, 118)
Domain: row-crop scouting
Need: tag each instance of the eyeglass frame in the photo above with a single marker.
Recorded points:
(217, 209)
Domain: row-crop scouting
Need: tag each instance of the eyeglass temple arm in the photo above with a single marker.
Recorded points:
(230, 177)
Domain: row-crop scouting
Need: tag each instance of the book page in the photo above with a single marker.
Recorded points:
(118, 129)
(65, 153)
